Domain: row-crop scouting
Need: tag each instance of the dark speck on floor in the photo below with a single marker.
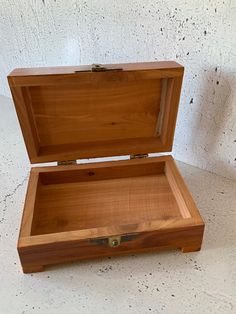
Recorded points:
(105, 269)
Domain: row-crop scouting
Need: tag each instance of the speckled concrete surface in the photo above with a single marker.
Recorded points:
(167, 282)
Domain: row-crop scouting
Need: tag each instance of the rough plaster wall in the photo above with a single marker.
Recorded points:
(199, 34)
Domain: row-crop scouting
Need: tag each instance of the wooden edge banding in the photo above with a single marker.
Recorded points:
(162, 106)
(79, 235)
(70, 69)
(190, 204)
(27, 218)
(97, 149)
(176, 191)
(28, 106)
(166, 116)
(175, 90)
(24, 113)
(97, 165)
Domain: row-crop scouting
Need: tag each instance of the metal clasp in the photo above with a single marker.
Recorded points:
(114, 241)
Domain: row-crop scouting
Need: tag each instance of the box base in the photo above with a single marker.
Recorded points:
(40, 268)
(73, 212)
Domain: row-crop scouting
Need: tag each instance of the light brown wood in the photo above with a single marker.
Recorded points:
(181, 191)
(30, 204)
(81, 117)
(74, 211)
(70, 114)
(189, 249)
(94, 204)
(108, 231)
(32, 269)
(68, 251)
(172, 65)
(81, 202)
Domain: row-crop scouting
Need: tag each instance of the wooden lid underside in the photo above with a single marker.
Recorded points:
(70, 113)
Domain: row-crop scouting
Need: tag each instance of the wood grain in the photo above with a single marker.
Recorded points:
(70, 114)
(30, 204)
(85, 205)
(172, 65)
(104, 112)
(70, 212)
(35, 256)
(145, 197)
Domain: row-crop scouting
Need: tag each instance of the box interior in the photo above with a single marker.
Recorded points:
(99, 197)
(72, 114)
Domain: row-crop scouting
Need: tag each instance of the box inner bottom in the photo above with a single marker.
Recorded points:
(100, 203)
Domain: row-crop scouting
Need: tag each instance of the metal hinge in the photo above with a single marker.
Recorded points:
(135, 156)
(66, 162)
(101, 68)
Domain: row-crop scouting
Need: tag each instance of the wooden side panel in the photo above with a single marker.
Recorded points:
(23, 107)
(35, 257)
(181, 191)
(172, 65)
(168, 123)
(30, 204)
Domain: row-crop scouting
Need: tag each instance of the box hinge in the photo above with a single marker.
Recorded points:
(66, 162)
(135, 156)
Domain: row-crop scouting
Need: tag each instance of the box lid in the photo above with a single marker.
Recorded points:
(69, 113)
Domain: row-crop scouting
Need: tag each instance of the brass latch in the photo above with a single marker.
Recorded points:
(113, 241)
(134, 156)
(66, 162)
(101, 68)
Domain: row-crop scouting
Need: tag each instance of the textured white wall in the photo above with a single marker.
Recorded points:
(199, 34)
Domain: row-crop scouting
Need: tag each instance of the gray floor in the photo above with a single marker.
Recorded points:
(168, 282)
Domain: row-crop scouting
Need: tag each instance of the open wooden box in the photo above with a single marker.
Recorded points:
(75, 211)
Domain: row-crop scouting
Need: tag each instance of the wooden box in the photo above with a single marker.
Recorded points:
(76, 211)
